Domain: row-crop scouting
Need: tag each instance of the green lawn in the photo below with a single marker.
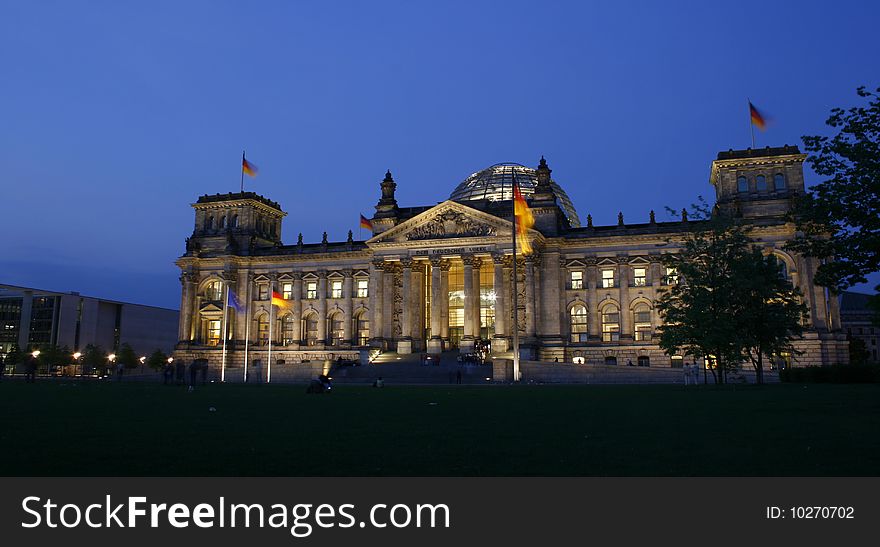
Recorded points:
(104, 428)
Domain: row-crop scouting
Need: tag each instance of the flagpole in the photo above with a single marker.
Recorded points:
(751, 123)
(225, 323)
(515, 293)
(269, 357)
(247, 328)
(242, 171)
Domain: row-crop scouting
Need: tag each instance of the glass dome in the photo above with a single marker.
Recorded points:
(495, 183)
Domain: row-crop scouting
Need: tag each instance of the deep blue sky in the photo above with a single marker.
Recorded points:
(117, 115)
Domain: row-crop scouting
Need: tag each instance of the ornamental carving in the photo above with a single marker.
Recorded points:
(450, 224)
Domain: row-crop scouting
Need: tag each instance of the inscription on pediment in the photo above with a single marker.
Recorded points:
(450, 224)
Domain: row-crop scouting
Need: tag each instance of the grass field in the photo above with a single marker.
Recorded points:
(104, 428)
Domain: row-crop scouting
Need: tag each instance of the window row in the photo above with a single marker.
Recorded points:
(214, 290)
(759, 184)
(642, 330)
(608, 278)
(224, 222)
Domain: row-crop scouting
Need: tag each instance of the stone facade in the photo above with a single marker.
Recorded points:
(437, 278)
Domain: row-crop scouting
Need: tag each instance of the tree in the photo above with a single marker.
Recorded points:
(858, 351)
(51, 356)
(839, 218)
(14, 357)
(770, 312)
(127, 356)
(699, 311)
(95, 358)
(157, 360)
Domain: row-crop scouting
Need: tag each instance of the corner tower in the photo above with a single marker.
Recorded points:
(758, 183)
(234, 223)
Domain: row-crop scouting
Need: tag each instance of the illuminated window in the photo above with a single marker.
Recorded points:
(311, 329)
(311, 289)
(677, 361)
(336, 329)
(214, 291)
(610, 324)
(263, 291)
(213, 332)
(263, 329)
(362, 328)
(287, 329)
(336, 289)
(607, 279)
(642, 323)
(639, 277)
(577, 280)
(363, 288)
(287, 291)
(742, 184)
(778, 181)
(761, 183)
(671, 277)
(579, 323)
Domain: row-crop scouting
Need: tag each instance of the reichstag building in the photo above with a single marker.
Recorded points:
(437, 278)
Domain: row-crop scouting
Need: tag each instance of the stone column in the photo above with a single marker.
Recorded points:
(388, 302)
(242, 291)
(273, 310)
(376, 291)
(435, 344)
(347, 295)
(467, 341)
(499, 341)
(406, 319)
(188, 311)
(592, 275)
(530, 296)
(478, 263)
(297, 307)
(229, 320)
(623, 270)
(444, 302)
(322, 307)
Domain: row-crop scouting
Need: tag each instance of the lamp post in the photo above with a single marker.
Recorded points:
(35, 354)
(112, 359)
(76, 362)
(142, 359)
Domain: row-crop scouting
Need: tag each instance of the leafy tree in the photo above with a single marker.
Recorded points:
(14, 357)
(839, 218)
(127, 356)
(51, 356)
(858, 352)
(157, 360)
(699, 312)
(95, 358)
(770, 312)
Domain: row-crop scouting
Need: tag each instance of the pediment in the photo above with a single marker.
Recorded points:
(448, 220)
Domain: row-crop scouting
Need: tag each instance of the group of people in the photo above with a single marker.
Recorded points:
(175, 373)
(691, 373)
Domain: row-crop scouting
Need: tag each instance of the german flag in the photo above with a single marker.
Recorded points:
(524, 220)
(247, 167)
(758, 119)
(366, 224)
(278, 300)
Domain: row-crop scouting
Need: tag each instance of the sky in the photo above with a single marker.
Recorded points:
(117, 115)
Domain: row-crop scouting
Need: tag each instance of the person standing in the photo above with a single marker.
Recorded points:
(31, 370)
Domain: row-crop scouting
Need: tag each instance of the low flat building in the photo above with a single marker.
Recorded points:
(35, 318)
(858, 320)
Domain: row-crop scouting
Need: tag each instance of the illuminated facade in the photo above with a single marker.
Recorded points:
(439, 277)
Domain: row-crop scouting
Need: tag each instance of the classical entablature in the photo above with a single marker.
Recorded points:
(448, 224)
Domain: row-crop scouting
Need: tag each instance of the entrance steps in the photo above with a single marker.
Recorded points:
(413, 368)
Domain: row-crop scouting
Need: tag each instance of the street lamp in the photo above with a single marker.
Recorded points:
(142, 359)
(76, 357)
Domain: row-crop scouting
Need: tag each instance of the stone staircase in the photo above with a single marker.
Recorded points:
(540, 373)
(414, 368)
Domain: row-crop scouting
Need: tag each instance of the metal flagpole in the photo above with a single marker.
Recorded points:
(269, 357)
(247, 328)
(225, 323)
(515, 294)
(751, 124)
(242, 171)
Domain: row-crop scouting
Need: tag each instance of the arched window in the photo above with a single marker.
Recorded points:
(742, 184)
(234, 222)
(223, 222)
(336, 328)
(761, 183)
(263, 329)
(611, 361)
(214, 291)
(779, 181)
(610, 324)
(310, 324)
(642, 322)
(579, 323)
(362, 328)
(209, 223)
(287, 329)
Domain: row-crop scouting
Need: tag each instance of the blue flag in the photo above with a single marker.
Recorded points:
(234, 303)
